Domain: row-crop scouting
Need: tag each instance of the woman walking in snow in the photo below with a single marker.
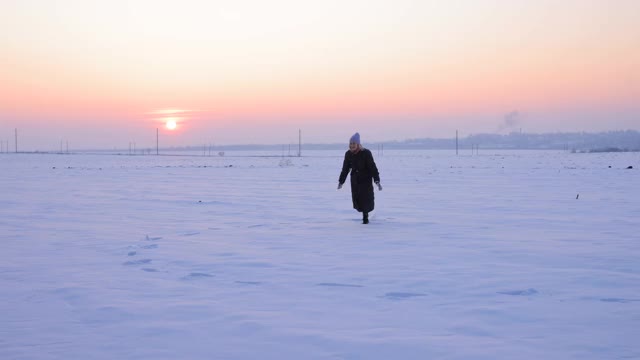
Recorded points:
(363, 174)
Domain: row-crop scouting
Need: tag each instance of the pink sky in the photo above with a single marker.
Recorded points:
(103, 74)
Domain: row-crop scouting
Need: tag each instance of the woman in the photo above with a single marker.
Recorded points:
(363, 172)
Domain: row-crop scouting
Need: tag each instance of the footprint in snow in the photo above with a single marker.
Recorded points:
(402, 295)
(197, 275)
(137, 262)
(191, 234)
(152, 238)
(618, 300)
(527, 292)
(339, 285)
(249, 282)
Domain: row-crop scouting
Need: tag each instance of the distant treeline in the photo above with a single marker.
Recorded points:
(628, 140)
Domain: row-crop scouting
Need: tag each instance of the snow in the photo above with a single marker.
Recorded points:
(490, 256)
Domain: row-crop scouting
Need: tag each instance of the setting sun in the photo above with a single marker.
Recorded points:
(171, 124)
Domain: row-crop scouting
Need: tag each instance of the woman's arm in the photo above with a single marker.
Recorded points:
(346, 165)
(373, 169)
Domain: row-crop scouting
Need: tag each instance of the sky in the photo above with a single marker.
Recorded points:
(103, 74)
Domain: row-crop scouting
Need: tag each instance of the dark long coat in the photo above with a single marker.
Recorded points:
(363, 173)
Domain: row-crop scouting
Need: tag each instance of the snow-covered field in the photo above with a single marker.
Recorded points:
(492, 256)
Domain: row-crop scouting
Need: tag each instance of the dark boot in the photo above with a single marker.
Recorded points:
(365, 217)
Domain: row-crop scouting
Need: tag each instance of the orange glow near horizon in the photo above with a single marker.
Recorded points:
(225, 66)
